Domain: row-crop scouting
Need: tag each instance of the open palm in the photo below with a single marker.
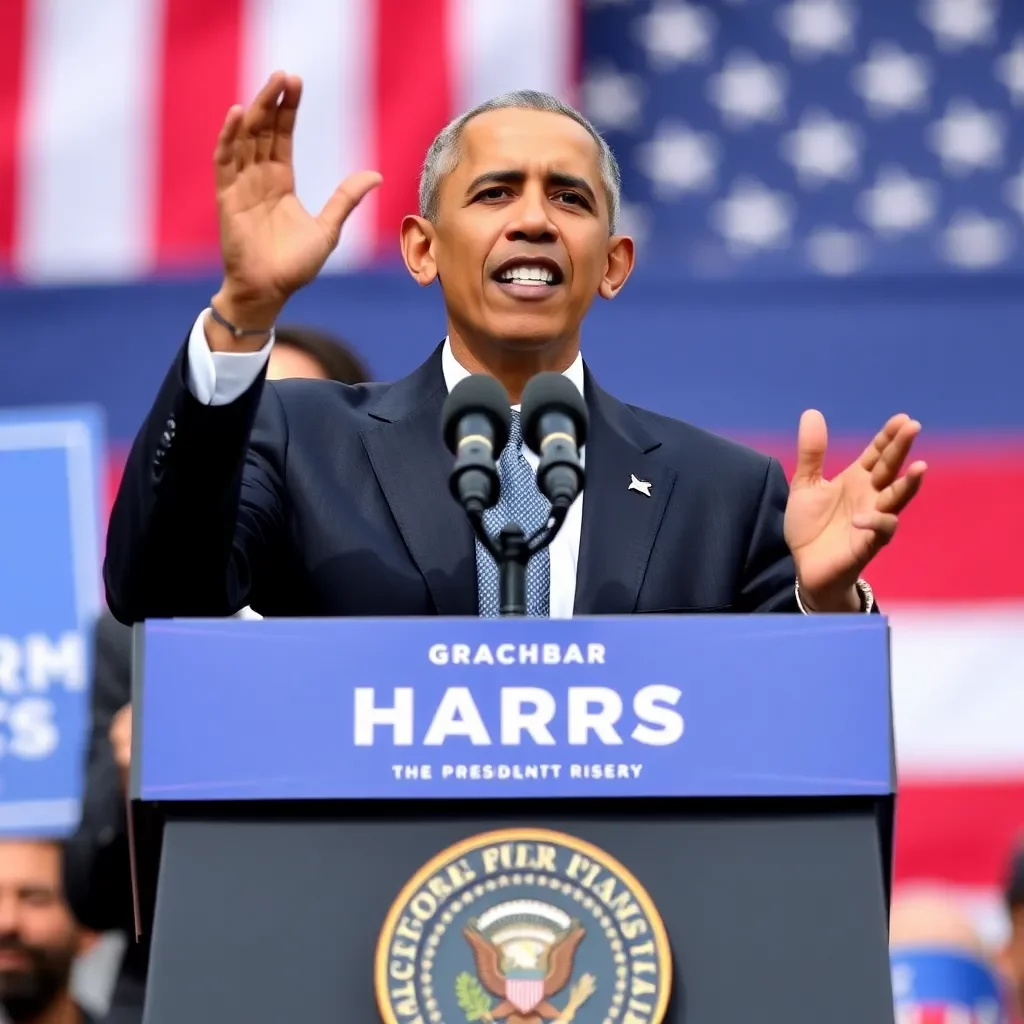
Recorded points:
(270, 244)
(835, 527)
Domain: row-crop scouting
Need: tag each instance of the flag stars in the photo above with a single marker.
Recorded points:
(835, 252)
(976, 242)
(956, 24)
(678, 160)
(674, 32)
(892, 81)
(748, 90)
(1013, 192)
(898, 203)
(1010, 71)
(967, 138)
(613, 100)
(822, 148)
(816, 27)
(753, 217)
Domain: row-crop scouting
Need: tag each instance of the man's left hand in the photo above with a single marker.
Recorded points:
(835, 527)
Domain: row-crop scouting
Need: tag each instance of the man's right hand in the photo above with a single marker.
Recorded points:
(121, 741)
(270, 245)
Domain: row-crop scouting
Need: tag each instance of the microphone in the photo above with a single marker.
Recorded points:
(474, 423)
(555, 421)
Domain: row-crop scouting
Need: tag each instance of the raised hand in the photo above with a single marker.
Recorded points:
(270, 245)
(835, 527)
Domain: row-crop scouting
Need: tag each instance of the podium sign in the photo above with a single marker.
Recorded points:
(642, 706)
(392, 815)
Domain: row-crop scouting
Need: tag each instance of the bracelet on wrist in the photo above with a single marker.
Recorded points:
(239, 332)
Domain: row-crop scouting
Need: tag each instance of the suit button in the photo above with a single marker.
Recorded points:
(166, 438)
(171, 425)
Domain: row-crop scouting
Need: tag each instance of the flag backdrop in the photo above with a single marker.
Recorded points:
(828, 197)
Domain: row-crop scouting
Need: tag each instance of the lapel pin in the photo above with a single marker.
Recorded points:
(641, 486)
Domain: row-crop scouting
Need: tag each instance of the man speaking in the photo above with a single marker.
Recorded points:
(312, 498)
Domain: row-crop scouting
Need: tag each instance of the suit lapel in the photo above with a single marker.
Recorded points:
(412, 466)
(619, 524)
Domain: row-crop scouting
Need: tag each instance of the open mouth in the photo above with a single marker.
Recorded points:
(529, 277)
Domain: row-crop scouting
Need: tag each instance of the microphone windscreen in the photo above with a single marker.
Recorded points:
(552, 392)
(479, 394)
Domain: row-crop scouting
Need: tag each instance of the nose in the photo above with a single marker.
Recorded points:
(8, 916)
(531, 219)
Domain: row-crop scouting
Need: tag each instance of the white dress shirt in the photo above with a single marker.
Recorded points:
(219, 378)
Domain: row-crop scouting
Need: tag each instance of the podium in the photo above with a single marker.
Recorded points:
(435, 821)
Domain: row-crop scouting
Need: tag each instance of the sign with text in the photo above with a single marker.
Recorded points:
(50, 467)
(443, 708)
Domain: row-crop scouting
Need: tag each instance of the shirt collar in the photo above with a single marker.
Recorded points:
(454, 371)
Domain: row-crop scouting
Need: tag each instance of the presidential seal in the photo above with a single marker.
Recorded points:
(523, 926)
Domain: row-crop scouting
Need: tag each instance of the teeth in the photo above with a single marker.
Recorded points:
(528, 275)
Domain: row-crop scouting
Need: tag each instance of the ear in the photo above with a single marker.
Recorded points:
(621, 257)
(418, 249)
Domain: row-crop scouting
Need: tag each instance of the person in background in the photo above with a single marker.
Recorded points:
(96, 869)
(39, 938)
(941, 969)
(1011, 959)
(313, 354)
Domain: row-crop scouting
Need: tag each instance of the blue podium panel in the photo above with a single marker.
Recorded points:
(715, 706)
(51, 470)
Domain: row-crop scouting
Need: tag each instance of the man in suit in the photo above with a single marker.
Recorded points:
(306, 498)
(97, 877)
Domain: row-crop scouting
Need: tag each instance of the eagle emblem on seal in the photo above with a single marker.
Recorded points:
(524, 952)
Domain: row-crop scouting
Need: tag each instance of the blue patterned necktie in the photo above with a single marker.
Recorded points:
(520, 502)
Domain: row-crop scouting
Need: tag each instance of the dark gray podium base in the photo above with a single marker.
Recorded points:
(774, 919)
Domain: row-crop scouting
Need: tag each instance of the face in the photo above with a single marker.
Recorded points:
(521, 243)
(286, 361)
(39, 940)
(1012, 959)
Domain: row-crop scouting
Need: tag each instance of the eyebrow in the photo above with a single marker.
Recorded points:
(559, 178)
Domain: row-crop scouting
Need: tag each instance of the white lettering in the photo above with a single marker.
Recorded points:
(33, 732)
(514, 720)
(460, 654)
(528, 654)
(457, 715)
(483, 656)
(62, 662)
(595, 654)
(573, 655)
(648, 707)
(507, 654)
(438, 654)
(368, 716)
(41, 662)
(602, 721)
(552, 654)
(10, 665)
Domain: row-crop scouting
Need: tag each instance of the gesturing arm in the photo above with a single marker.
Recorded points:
(199, 511)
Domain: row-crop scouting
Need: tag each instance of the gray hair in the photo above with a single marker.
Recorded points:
(443, 155)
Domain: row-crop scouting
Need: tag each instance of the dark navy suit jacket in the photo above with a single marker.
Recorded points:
(307, 497)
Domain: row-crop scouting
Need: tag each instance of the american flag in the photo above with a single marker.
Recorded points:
(770, 141)
(815, 137)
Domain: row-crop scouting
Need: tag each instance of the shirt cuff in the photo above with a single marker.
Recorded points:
(867, 598)
(219, 378)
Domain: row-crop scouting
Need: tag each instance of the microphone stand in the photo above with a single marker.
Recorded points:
(512, 551)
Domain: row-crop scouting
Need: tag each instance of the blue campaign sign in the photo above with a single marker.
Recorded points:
(444, 708)
(50, 473)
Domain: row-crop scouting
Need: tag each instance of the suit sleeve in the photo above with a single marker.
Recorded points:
(199, 513)
(97, 874)
(769, 575)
